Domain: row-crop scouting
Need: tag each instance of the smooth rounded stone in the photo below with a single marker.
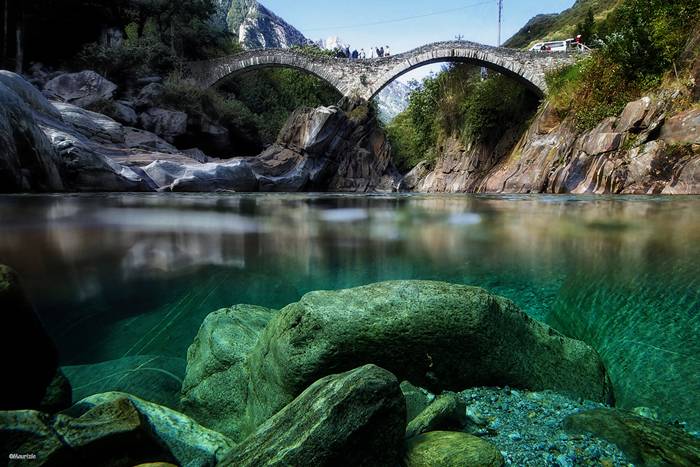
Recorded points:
(352, 418)
(28, 93)
(110, 434)
(154, 378)
(81, 89)
(135, 138)
(436, 335)
(450, 449)
(125, 114)
(643, 440)
(168, 124)
(28, 162)
(149, 95)
(188, 443)
(447, 412)
(226, 176)
(30, 358)
(215, 387)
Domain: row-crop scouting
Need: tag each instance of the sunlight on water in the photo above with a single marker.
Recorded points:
(122, 276)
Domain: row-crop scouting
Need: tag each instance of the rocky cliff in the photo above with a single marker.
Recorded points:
(255, 26)
(647, 149)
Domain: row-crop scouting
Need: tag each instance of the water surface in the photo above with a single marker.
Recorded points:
(119, 276)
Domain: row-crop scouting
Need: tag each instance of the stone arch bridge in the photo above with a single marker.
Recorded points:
(366, 78)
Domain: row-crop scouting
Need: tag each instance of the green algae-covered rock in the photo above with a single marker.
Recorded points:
(214, 391)
(356, 418)
(32, 379)
(450, 449)
(447, 412)
(436, 335)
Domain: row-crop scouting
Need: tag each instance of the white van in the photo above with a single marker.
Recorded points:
(554, 46)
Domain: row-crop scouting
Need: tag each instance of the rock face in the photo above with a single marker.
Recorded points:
(328, 149)
(643, 151)
(257, 27)
(436, 335)
(81, 89)
(450, 449)
(215, 387)
(227, 176)
(645, 441)
(353, 418)
(167, 124)
(30, 359)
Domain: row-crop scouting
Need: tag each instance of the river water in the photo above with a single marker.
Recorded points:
(121, 276)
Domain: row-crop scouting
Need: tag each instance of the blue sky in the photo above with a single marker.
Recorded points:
(476, 20)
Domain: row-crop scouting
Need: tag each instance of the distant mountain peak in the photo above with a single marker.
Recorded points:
(256, 26)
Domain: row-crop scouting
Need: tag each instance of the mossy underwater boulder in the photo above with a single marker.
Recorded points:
(436, 335)
(450, 449)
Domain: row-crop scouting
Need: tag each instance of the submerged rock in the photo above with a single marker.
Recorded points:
(353, 418)
(645, 441)
(29, 357)
(450, 449)
(215, 387)
(436, 335)
(447, 412)
(189, 443)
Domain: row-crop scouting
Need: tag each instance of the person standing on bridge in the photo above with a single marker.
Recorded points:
(363, 55)
(380, 52)
(386, 52)
(355, 54)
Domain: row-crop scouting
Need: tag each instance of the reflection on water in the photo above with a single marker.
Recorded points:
(117, 276)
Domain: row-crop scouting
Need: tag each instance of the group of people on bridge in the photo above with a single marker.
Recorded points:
(361, 54)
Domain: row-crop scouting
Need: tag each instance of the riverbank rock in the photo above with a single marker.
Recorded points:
(28, 162)
(645, 441)
(197, 177)
(447, 412)
(187, 442)
(168, 124)
(353, 418)
(81, 89)
(29, 357)
(436, 335)
(215, 387)
(450, 449)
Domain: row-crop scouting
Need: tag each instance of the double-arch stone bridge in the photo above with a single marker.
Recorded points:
(366, 78)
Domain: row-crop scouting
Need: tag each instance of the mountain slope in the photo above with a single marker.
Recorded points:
(559, 26)
(256, 26)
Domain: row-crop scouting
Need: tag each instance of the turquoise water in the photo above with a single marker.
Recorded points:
(116, 277)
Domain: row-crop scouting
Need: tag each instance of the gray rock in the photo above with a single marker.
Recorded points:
(216, 382)
(353, 418)
(416, 399)
(148, 96)
(228, 176)
(28, 162)
(189, 443)
(151, 377)
(683, 128)
(29, 94)
(197, 155)
(30, 358)
(633, 115)
(125, 114)
(437, 335)
(447, 412)
(168, 124)
(81, 89)
(135, 138)
(96, 127)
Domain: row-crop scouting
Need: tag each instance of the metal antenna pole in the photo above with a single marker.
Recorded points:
(500, 20)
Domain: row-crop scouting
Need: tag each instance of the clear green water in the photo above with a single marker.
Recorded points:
(116, 276)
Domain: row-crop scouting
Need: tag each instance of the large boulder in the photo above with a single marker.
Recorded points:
(353, 418)
(82, 89)
(436, 335)
(192, 177)
(168, 124)
(215, 387)
(28, 162)
(645, 441)
(30, 358)
(189, 443)
(450, 449)
(96, 127)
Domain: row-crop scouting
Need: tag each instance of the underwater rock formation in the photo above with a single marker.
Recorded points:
(215, 388)
(645, 441)
(450, 449)
(30, 358)
(353, 418)
(447, 412)
(437, 335)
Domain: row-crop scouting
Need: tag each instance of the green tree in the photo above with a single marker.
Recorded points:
(587, 28)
